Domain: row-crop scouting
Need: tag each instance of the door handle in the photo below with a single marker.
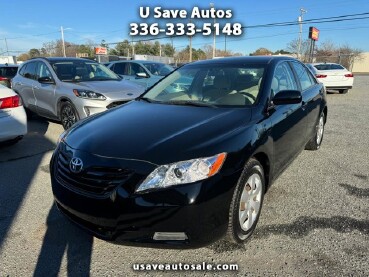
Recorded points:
(35, 87)
(18, 84)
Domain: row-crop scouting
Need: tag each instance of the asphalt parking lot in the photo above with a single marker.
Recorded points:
(315, 218)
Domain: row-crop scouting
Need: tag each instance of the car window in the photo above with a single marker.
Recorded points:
(213, 84)
(30, 71)
(120, 68)
(303, 76)
(43, 70)
(8, 71)
(322, 66)
(158, 69)
(136, 68)
(283, 79)
(336, 66)
(82, 71)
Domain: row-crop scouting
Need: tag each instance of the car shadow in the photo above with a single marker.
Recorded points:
(62, 236)
(19, 164)
(298, 229)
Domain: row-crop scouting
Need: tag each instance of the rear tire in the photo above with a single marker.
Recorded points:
(343, 91)
(316, 141)
(68, 115)
(246, 203)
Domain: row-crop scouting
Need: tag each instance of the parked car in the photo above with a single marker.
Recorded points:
(7, 72)
(13, 119)
(188, 167)
(69, 89)
(142, 72)
(334, 76)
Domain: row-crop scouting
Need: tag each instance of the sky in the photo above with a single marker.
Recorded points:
(28, 24)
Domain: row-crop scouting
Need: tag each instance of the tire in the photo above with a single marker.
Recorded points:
(316, 141)
(68, 115)
(251, 182)
(343, 91)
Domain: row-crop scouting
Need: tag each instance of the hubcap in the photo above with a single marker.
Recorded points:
(68, 117)
(320, 131)
(249, 207)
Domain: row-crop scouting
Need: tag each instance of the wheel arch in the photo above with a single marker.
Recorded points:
(263, 158)
(59, 103)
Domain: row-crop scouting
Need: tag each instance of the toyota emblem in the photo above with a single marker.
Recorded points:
(76, 165)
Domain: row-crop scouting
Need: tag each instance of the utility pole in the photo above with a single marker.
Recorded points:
(225, 44)
(190, 47)
(212, 6)
(300, 19)
(62, 35)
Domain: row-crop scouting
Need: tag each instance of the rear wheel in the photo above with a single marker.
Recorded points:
(246, 202)
(316, 141)
(343, 91)
(68, 115)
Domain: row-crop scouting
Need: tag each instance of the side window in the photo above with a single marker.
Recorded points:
(30, 71)
(120, 68)
(136, 68)
(303, 76)
(283, 79)
(43, 71)
(22, 70)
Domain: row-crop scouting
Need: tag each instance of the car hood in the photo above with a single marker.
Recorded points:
(159, 133)
(112, 89)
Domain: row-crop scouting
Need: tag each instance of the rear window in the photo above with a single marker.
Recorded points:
(328, 66)
(8, 71)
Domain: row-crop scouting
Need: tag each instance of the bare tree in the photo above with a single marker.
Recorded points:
(293, 47)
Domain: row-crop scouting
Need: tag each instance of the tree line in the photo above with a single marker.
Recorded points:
(324, 52)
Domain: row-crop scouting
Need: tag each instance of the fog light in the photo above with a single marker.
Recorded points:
(87, 111)
(170, 236)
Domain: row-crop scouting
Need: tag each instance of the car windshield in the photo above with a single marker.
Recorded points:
(82, 71)
(209, 85)
(159, 69)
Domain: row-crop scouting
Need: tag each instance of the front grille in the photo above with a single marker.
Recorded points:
(94, 179)
(116, 104)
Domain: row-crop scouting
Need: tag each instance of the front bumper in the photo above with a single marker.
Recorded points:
(200, 210)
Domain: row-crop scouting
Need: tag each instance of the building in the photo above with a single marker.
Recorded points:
(361, 66)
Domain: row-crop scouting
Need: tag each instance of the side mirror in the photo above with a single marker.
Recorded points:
(142, 75)
(285, 97)
(45, 80)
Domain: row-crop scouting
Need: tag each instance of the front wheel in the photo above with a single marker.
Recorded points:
(246, 202)
(316, 141)
(68, 115)
(343, 91)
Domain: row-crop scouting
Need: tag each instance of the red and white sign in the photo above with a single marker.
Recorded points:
(101, 51)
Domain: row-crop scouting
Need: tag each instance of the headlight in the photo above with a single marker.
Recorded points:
(183, 172)
(88, 94)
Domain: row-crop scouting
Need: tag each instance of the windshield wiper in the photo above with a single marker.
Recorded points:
(190, 103)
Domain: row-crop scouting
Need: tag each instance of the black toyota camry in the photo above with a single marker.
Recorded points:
(190, 160)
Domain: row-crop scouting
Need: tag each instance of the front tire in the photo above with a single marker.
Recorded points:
(316, 141)
(246, 203)
(68, 115)
(343, 91)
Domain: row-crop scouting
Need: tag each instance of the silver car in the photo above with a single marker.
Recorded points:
(146, 73)
(69, 89)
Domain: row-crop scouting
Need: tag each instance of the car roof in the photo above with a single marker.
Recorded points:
(61, 59)
(244, 59)
(6, 64)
